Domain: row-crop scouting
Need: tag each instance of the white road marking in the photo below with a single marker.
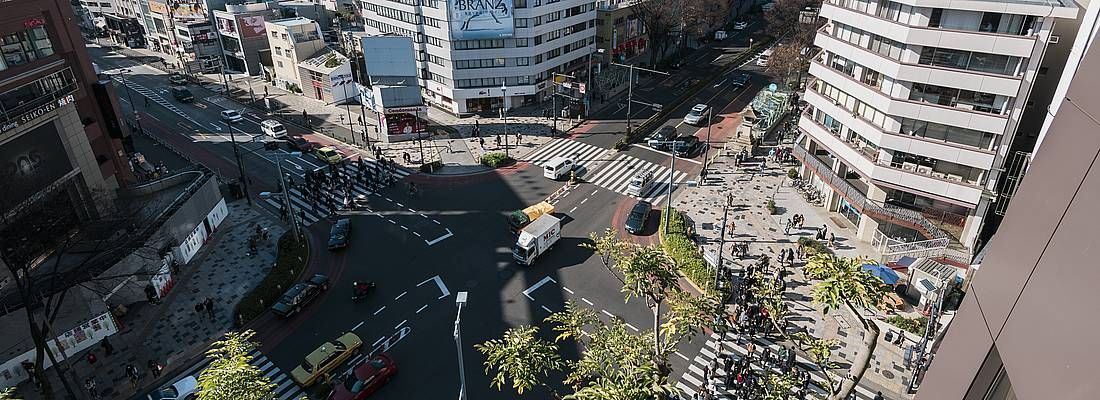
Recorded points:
(607, 313)
(439, 239)
(376, 342)
(379, 310)
(585, 199)
(682, 356)
(399, 325)
(400, 295)
(547, 309)
(594, 192)
(586, 301)
(567, 289)
(574, 209)
(404, 227)
(421, 308)
(357, 326)
(632, 327)
(527, 292)
(438, 283)
(417, 234)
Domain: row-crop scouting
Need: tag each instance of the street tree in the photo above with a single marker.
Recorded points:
(702, 17)
(9, 394)
(54, 245)
(820, 352)
(649, 274)
(231, 375)
(608, 247)
(659, 18)
(845, 284)
(520, 357)
(785, 18)
(779, 386)
(770, 297)
(786, 61)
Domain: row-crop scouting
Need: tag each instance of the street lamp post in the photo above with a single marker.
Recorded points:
(137, 118)
(460, 300)
(668, 197)
(504, 115)
(630, 92)
(706, 151)
(286, 194)
(240, 165)
(721, 244)
(366, 135)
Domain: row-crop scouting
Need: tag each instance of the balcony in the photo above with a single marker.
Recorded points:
(896, 215)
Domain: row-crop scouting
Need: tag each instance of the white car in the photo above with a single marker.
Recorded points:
(696, 115)
(739, 25)
(184, 389)
(232, 116)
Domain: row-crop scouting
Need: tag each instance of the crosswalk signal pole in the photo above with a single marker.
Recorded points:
(240, 165)
(286, 195)
(630, 91)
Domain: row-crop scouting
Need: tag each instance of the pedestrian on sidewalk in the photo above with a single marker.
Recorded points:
(90, 386)
(209, 304)
(132, 373)
(408, 159)
(154, 367)
(199, 308)
(107, 348)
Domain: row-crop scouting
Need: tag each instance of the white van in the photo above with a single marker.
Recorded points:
(640, 184)
(557, 167)
(273, 128)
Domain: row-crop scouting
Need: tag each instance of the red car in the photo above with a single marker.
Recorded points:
(365, 379)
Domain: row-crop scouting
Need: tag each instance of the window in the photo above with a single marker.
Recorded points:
(934, 19)
(274, 34)
(521, 22)
(872, 78)
(23, 47)
(947, 133)
(521, 42)
(279, 63)
(278, 51)
(523, 61)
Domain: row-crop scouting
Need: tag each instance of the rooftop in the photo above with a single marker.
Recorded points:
(320, 62)
(293, 21)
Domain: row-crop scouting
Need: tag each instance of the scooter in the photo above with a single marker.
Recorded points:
(361, 290)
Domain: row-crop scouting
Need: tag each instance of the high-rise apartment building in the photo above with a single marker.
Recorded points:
(61, 142)
(913, 107)
(1026, 326)
(468, 53)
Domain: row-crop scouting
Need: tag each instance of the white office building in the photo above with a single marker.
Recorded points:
(913, 108)
(518, 44)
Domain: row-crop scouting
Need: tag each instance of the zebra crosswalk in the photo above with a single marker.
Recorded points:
(312, 211)
(285, 387)
(692, 381)
(151, 95)
(613, 172)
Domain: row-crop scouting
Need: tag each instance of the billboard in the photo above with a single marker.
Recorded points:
(387, 56)
(252, 26)
(32, 162)
(480, 19)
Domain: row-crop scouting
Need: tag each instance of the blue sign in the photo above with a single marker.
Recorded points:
(481, 19)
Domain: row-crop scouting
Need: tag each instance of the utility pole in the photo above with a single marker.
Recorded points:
(460, 300)
(240, 165)
(286, 195)
(630, 92)
(706, 151)
(419, 137)
(588, 81)
(504, 115)
(671, 174)
(721, 244)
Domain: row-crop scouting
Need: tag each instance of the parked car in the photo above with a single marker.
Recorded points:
(685, 146)
(695, 116)
(660, 139)
(299, 295)
(177, 79)
(365, 379)
(232, 116)
(639, 214)
(298, 143)
(740, 80)
(184, 389)
(739, 25)
(326, 358)
(329, 155)
(182, 95)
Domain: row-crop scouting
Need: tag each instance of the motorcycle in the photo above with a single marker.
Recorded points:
(361, 290)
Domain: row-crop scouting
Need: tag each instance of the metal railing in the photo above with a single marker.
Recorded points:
(898, 215)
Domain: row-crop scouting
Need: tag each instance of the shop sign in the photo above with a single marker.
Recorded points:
(406, 110)
(34, 22)
(32, 115)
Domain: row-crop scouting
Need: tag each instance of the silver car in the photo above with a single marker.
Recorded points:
(696, 115)
(232, 116)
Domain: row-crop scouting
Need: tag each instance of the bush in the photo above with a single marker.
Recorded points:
(289, 263)
(813, 247)
(682, 250)
(792, 173)
(622, 144)
(431, 167)
(911, 325)
(771, 207)
(495, 159)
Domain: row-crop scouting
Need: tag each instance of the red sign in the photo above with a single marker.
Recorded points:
(33, 22)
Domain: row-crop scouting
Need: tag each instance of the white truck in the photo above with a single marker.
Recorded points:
(536, 238)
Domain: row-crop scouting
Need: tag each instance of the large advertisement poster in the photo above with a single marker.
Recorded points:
(480, 19)
(31, 162)
(252, 26)
(404, 124)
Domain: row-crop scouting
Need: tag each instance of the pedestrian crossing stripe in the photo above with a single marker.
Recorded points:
(285, 387)
(299, 201)
(582, 153)
(151, 96)
(692, 380)
(617, 173)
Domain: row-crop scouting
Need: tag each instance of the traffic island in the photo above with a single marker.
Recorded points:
(678, 245)
(292, 258)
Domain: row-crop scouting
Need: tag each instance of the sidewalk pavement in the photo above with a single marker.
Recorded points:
(754, 225)
(173, 332)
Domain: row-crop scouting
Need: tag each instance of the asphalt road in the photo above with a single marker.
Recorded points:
(411, 314)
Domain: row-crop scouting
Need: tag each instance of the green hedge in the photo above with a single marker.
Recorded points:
(792, 173)
(495, 159)
(289, 263)
(680, 248)
(813, 247)
(771, 207)
(912, 325)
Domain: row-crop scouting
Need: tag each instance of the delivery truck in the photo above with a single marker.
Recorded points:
(536, 238)
(519, 219)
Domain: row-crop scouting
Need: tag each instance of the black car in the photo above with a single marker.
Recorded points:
(299, 295)
(685, 145)
(298, 143)
(182, 94)
(740, 80)
(660, 139)
(635, 222)
(338, 235)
